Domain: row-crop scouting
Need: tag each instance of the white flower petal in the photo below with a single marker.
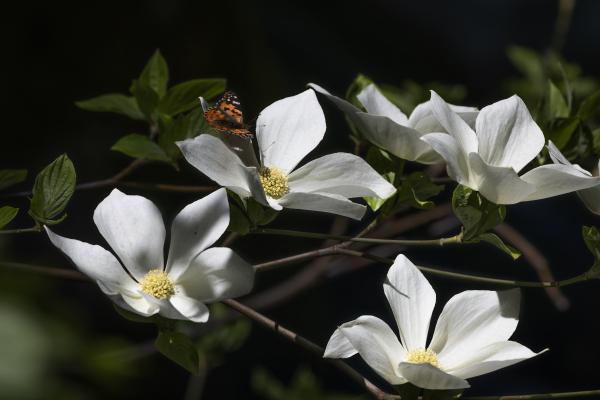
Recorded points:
(423, 120)
(454, 125)
(289, 129)
(190, 308)
(138, 304)
(94, 261)
(377, 104)
(203, 103)
(412, 299)
(217, 273)
(165, 308)
(472, 320)
(508, 136)
(500, 185)
(491, 358)
(195, 228)
(446, 146)
(427, 376)
(339, 346)
(340, 173)
(556, 179)
(377, 345)
(401, 141)
(324, 202)
(343, 105)
(134, 229)
(214, 159)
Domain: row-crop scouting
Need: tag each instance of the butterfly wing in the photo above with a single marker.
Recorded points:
(226, 116)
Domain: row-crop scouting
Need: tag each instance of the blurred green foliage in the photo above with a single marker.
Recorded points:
(303, 386)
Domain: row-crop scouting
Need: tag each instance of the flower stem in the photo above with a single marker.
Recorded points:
(20, 230)
(314, 235)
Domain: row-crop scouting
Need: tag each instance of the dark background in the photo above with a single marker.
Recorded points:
(54, 53)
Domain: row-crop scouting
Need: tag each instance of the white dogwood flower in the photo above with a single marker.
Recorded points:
(142, 282)
(286, 132)
(470, 337)
(505, 140)
(386, 126)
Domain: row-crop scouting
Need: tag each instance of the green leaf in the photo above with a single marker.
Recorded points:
(184, 127)
(416, 189)
(258, 214)
(113, 103)
(7, 214)
(494, 240)
(52, 190)
(386, 165)
(590, 106)
(358, 84)
(10, 177)
(155, 74)
(179, 348)
(229, 337)
(527, 61)
(146, 98)
(596, 140)
(140, 146)
(184, 96)
(561, 131)
(556, 104)
(477, 214)
(238, 219)
(591, 237)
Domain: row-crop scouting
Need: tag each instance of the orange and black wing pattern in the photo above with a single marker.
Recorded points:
(226, 116)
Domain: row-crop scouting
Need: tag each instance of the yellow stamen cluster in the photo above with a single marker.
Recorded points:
(423, 356)
(157, 283)
(274, 182)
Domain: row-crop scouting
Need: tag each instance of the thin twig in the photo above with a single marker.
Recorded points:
(62, 273)
(474, 278)
(457, 239)
(563, 23)
(161, 187)
(307, 345)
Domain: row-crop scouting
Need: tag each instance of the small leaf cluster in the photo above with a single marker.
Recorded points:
(171, 113)
(52, 190)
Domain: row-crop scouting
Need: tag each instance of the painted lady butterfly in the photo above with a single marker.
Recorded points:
(225, 116)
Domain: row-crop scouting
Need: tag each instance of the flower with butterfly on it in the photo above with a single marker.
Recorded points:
(471, 337)
(286, 131)
(489, 158)
(386, 126)
(142, 282)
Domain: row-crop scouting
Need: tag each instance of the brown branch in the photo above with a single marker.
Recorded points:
(306, 344)
(62, 273)
(161, 187)
(536, 259)
(316, 271)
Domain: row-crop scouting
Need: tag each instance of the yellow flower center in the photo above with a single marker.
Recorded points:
(157, 283)
(423, 356)
(274, 182)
